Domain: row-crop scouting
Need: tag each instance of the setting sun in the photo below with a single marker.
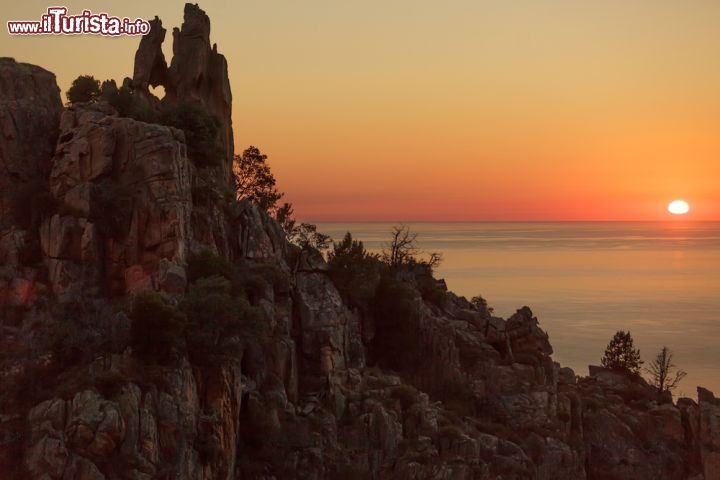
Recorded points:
(678, 207)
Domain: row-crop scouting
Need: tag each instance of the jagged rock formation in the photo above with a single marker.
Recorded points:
(277, 386)
(198, 74)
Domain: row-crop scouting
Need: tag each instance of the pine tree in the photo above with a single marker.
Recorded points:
(620, 354)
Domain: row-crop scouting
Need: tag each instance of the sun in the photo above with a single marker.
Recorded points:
(678, 207)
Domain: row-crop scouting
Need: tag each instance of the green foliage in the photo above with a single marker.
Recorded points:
(157, 329)
(111, 208)
(30, 202)
(354, 271)
(82, 329)
(457, 396)
(83, 89)
(620, 354)
(208, 189)
(307, 237)
(397, 315)
(285, 217)
(222, 305)
(127, 103)
(111, 383)
(304, 235)
(209, 302)
(208, 264)
(430, 289)
(481, 306)
(202, 133)
(451, 432)
(406, 394)
(254, 180)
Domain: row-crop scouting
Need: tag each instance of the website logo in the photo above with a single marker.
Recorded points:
(57, 22)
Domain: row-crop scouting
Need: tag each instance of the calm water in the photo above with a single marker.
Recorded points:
(584, 281)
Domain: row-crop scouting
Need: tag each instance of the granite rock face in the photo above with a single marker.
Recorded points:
(30, 110)
(123, 188)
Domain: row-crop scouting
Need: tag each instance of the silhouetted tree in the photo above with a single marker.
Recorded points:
(620, 354)
(83, 89)
(254, 180)
(665, 375)
(402, 247)
(307, 237)
(354, 270)
(285, 216)
(482, 306)
(402, 250)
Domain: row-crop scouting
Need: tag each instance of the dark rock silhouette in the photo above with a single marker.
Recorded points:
(30, 109)
(197, 74)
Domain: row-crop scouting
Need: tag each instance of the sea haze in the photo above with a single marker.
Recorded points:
(586, 280)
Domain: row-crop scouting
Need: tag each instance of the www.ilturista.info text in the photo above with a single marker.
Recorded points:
(57, 22)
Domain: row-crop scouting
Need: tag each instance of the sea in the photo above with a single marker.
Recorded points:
(586, 280)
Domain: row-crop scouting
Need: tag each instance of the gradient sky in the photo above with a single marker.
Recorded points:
(406, 110)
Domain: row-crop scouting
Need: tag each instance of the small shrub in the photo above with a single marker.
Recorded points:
(563, 416)
(83, 89)
(396, 314)
(593, 404)
(209, 302)
(111, 383)
(208, 264)
(111, 208)
(451, 432)
(481, 305)
(354, 271)
(32, 201)
(457, 396)
(156, 329)
(406, 394)
(216, 317)
(429, 288)
(209, 449)
(201, 133)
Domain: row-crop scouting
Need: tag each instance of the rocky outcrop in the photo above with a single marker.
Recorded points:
(150, 65)
(123, 190)
(197, 75)
(630, 431)
(29, 123)
(30, 109)
(702, 431)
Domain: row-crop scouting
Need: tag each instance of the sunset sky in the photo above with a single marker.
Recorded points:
(461, 110)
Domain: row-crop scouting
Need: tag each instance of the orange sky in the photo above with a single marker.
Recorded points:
(463, 110)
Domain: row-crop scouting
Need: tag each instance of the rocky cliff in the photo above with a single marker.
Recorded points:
(153, 327)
